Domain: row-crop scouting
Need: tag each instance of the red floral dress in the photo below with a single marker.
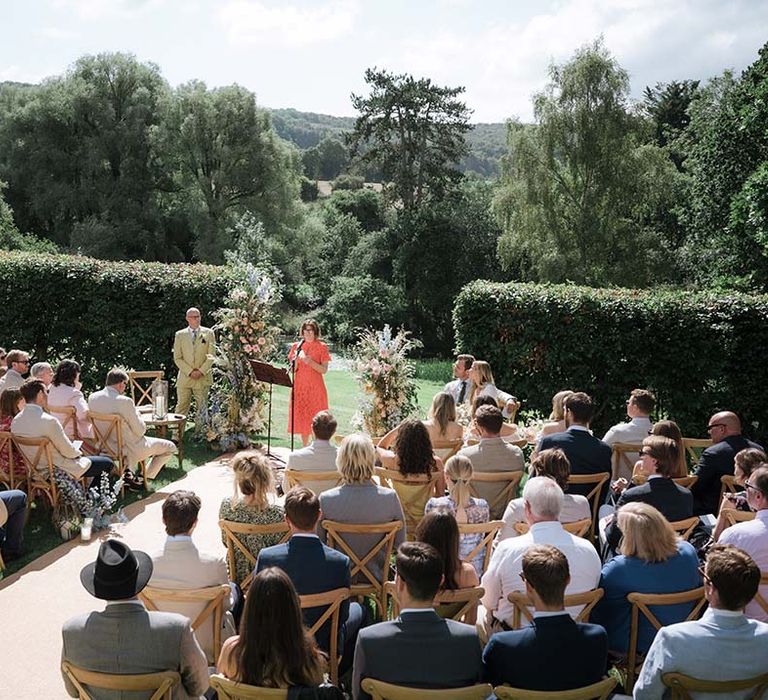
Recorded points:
(18, 463)
(309, 387)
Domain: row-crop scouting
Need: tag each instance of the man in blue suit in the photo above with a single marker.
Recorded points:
(314, 568)
(554, 652)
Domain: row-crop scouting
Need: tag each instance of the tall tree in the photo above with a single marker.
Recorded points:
(666, 104)
(413, 130)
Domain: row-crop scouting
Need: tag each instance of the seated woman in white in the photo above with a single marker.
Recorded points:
(510, 432)
(65, 391)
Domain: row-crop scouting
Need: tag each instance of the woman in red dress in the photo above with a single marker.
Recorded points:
(309, 394)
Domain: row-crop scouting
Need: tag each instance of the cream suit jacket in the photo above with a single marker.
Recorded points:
(188, 356)
(33, 422)
(134, 443)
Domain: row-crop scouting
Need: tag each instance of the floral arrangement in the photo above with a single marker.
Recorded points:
(76, 505)
(386, 378)
(246, 331)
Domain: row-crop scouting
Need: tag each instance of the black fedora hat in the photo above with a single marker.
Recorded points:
(118, 572)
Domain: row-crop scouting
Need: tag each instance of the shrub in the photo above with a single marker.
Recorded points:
(699, 352)
(348, 182)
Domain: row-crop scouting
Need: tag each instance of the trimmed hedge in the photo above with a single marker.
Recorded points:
(699, 352)
(102, 313)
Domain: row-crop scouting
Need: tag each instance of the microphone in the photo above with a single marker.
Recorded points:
(298, 347)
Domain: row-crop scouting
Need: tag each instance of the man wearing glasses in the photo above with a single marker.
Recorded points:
(18, 365)
(752, 536)
(724, 430)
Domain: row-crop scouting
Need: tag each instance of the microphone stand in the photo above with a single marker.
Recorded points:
(293, 391)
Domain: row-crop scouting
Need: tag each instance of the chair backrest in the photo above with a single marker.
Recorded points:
(580, 528)
(728, 484)
(681, 686)
(141, 385)
(445, 449)
(162, 682)
(7, 478)
(733, 516)
(232, 690)
(686, 481)
(414, 490)
(509, 481)
(37, 457)
(759, 597)
(597, 691)
(333, 600)
(212, 598)
(297, 477)
(234, 532)
(522, 605)
(594, 494)
(684, 528)
(467, 598)
(625, 454)
(488, 531)
(694, 447)
(67, 416)
(107, 434)
(521, 443)
(379, 690)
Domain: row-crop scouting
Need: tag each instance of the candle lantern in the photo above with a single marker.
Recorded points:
(160, 399)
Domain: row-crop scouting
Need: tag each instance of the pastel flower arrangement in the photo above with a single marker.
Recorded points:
(76, 505)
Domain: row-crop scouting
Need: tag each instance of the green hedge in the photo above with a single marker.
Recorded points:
(698, 352)
(102, 313)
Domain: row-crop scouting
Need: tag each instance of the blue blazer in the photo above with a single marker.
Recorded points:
(553, 653)
(313, 568)
(585, 452)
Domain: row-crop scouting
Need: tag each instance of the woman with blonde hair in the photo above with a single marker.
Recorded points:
(556, 422)
(462, 505)
(668, 429)
(652, 559)
(252, 503)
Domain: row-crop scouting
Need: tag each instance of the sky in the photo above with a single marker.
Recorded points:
(311, 54)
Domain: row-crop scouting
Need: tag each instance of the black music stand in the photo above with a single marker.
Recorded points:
(269, 374)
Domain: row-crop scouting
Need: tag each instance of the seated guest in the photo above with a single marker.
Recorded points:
(543, 501)
(725, 432)
(17, 362)
(319, 455)
(13, 515)
(464, 507)
(724, 644)
(314, 568)
(3, 367)
(586, 454)
(461, 387)
(744, 464)
(652, 559)
(440, 530)
(180, 565)
(509, 431)
(752, 536)
(492, 454)
(441, 424)
(552, 464)
(668, 429)
(42, 371)
(138, 446)
(252, 503)
(360, 500)
(150, 642)
(556, 422)
(481, 376)
(640, 405)
(274, 649)
(523, 658)
(419, 649)
(11, 403)
(66, 392)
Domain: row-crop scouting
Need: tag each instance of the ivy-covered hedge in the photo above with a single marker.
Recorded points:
(102, 313)
(699, 352)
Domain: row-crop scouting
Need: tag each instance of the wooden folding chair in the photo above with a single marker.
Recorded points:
(232, 690)
(333, 599)
(694, 447)
(728, 484)
(141, 386)
(509, 482)
(296, 477)
(445, 449)
(759, 597)
(233, 532)
(383, 548)
(580, 528)
(685, 528)
(467, 598)
(594, 494)
(733, 516)
(162, 683)
(625, 454)
(212, 598)
(413, 490)
(681, 686)
(641, 603)
(597, 691)
(488, 531)
(67, 416)
(38, 460)
(521, 443)
(522, 605)
(686, 481)
(379, 690)
(9, 478)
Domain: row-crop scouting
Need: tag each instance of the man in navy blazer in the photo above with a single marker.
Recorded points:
(586, 454)
(554, 652)
(314, 568)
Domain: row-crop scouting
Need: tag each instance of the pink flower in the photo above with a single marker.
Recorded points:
(262, 341)
(248, 348)
(243, 339)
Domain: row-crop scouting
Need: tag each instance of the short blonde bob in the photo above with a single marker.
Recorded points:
(356, 459)
(647, 535)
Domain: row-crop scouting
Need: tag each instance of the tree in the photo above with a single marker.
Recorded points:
(12, 239)
(413, 130)
(325, 161)
(581, 193)
(667, 105)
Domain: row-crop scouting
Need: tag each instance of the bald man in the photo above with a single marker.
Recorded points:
(724, 430)
(194, 349)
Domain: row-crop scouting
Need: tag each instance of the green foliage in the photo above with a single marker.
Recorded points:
(366, 205)
(325, 161)
(667, 105)
(348, 182)
(12, 239)
(309, 190)
(439, 371)
(103, 313)
(698, 352)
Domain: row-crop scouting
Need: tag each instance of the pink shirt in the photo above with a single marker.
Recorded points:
(64, 395)
(752, 537)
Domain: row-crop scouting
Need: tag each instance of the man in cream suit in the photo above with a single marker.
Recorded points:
(137, 446)
(320, 456)
(18, 365)
(194, 349)
(180, 565)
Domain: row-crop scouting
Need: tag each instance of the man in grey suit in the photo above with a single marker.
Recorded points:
(724, 644)
(418, 649)
(149, 642)
(320, 456)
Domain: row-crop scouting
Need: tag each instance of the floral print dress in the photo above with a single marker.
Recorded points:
(477, 512)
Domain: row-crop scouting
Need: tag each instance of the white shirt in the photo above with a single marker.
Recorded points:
(575, 507)
(454, 389)
(633, 432)
(503, 575)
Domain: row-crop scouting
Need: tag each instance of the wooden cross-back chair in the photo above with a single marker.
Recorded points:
(728, 484)
(625, 454)
(733, 516)
(212, 598)
(694, 447)
(141, 385)
(445, 449)
(488, 533)
(161, 683)
(38, 459)
(336, 532)
(681, 686)
(233, 532)
(333, 600)
(522, 605)
(67, 416)
(686, 481)
(759, 597)
(466, 601)
(232, 690)
(413, 490)
(598, 480)
(685, 528)
(597, 691)
(641, 603)
(9, 478)
(379, 690)
(579, 528)
(508, 482)
(296, 477)
(522, 442)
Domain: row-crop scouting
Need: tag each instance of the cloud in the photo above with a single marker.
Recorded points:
(55, 33)
(17, 74)
(249, 22)
(95, 10)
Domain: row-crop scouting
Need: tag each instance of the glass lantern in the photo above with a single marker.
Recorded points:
(160, 399)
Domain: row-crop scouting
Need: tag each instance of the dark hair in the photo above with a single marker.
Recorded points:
(414, 448)
(466, 359)
(734, 574)
(31, 388)
(581, 407)
(643, 399)
(483, 400)
(180, 511)
(324, 425)
(302, 507)
(546, 570)
(420, 566)
(274, 648)
(116, 376)
(66, 373)
(554, 464)
(489, 418)
(439, 528)
(9, 402)
(311, 323)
